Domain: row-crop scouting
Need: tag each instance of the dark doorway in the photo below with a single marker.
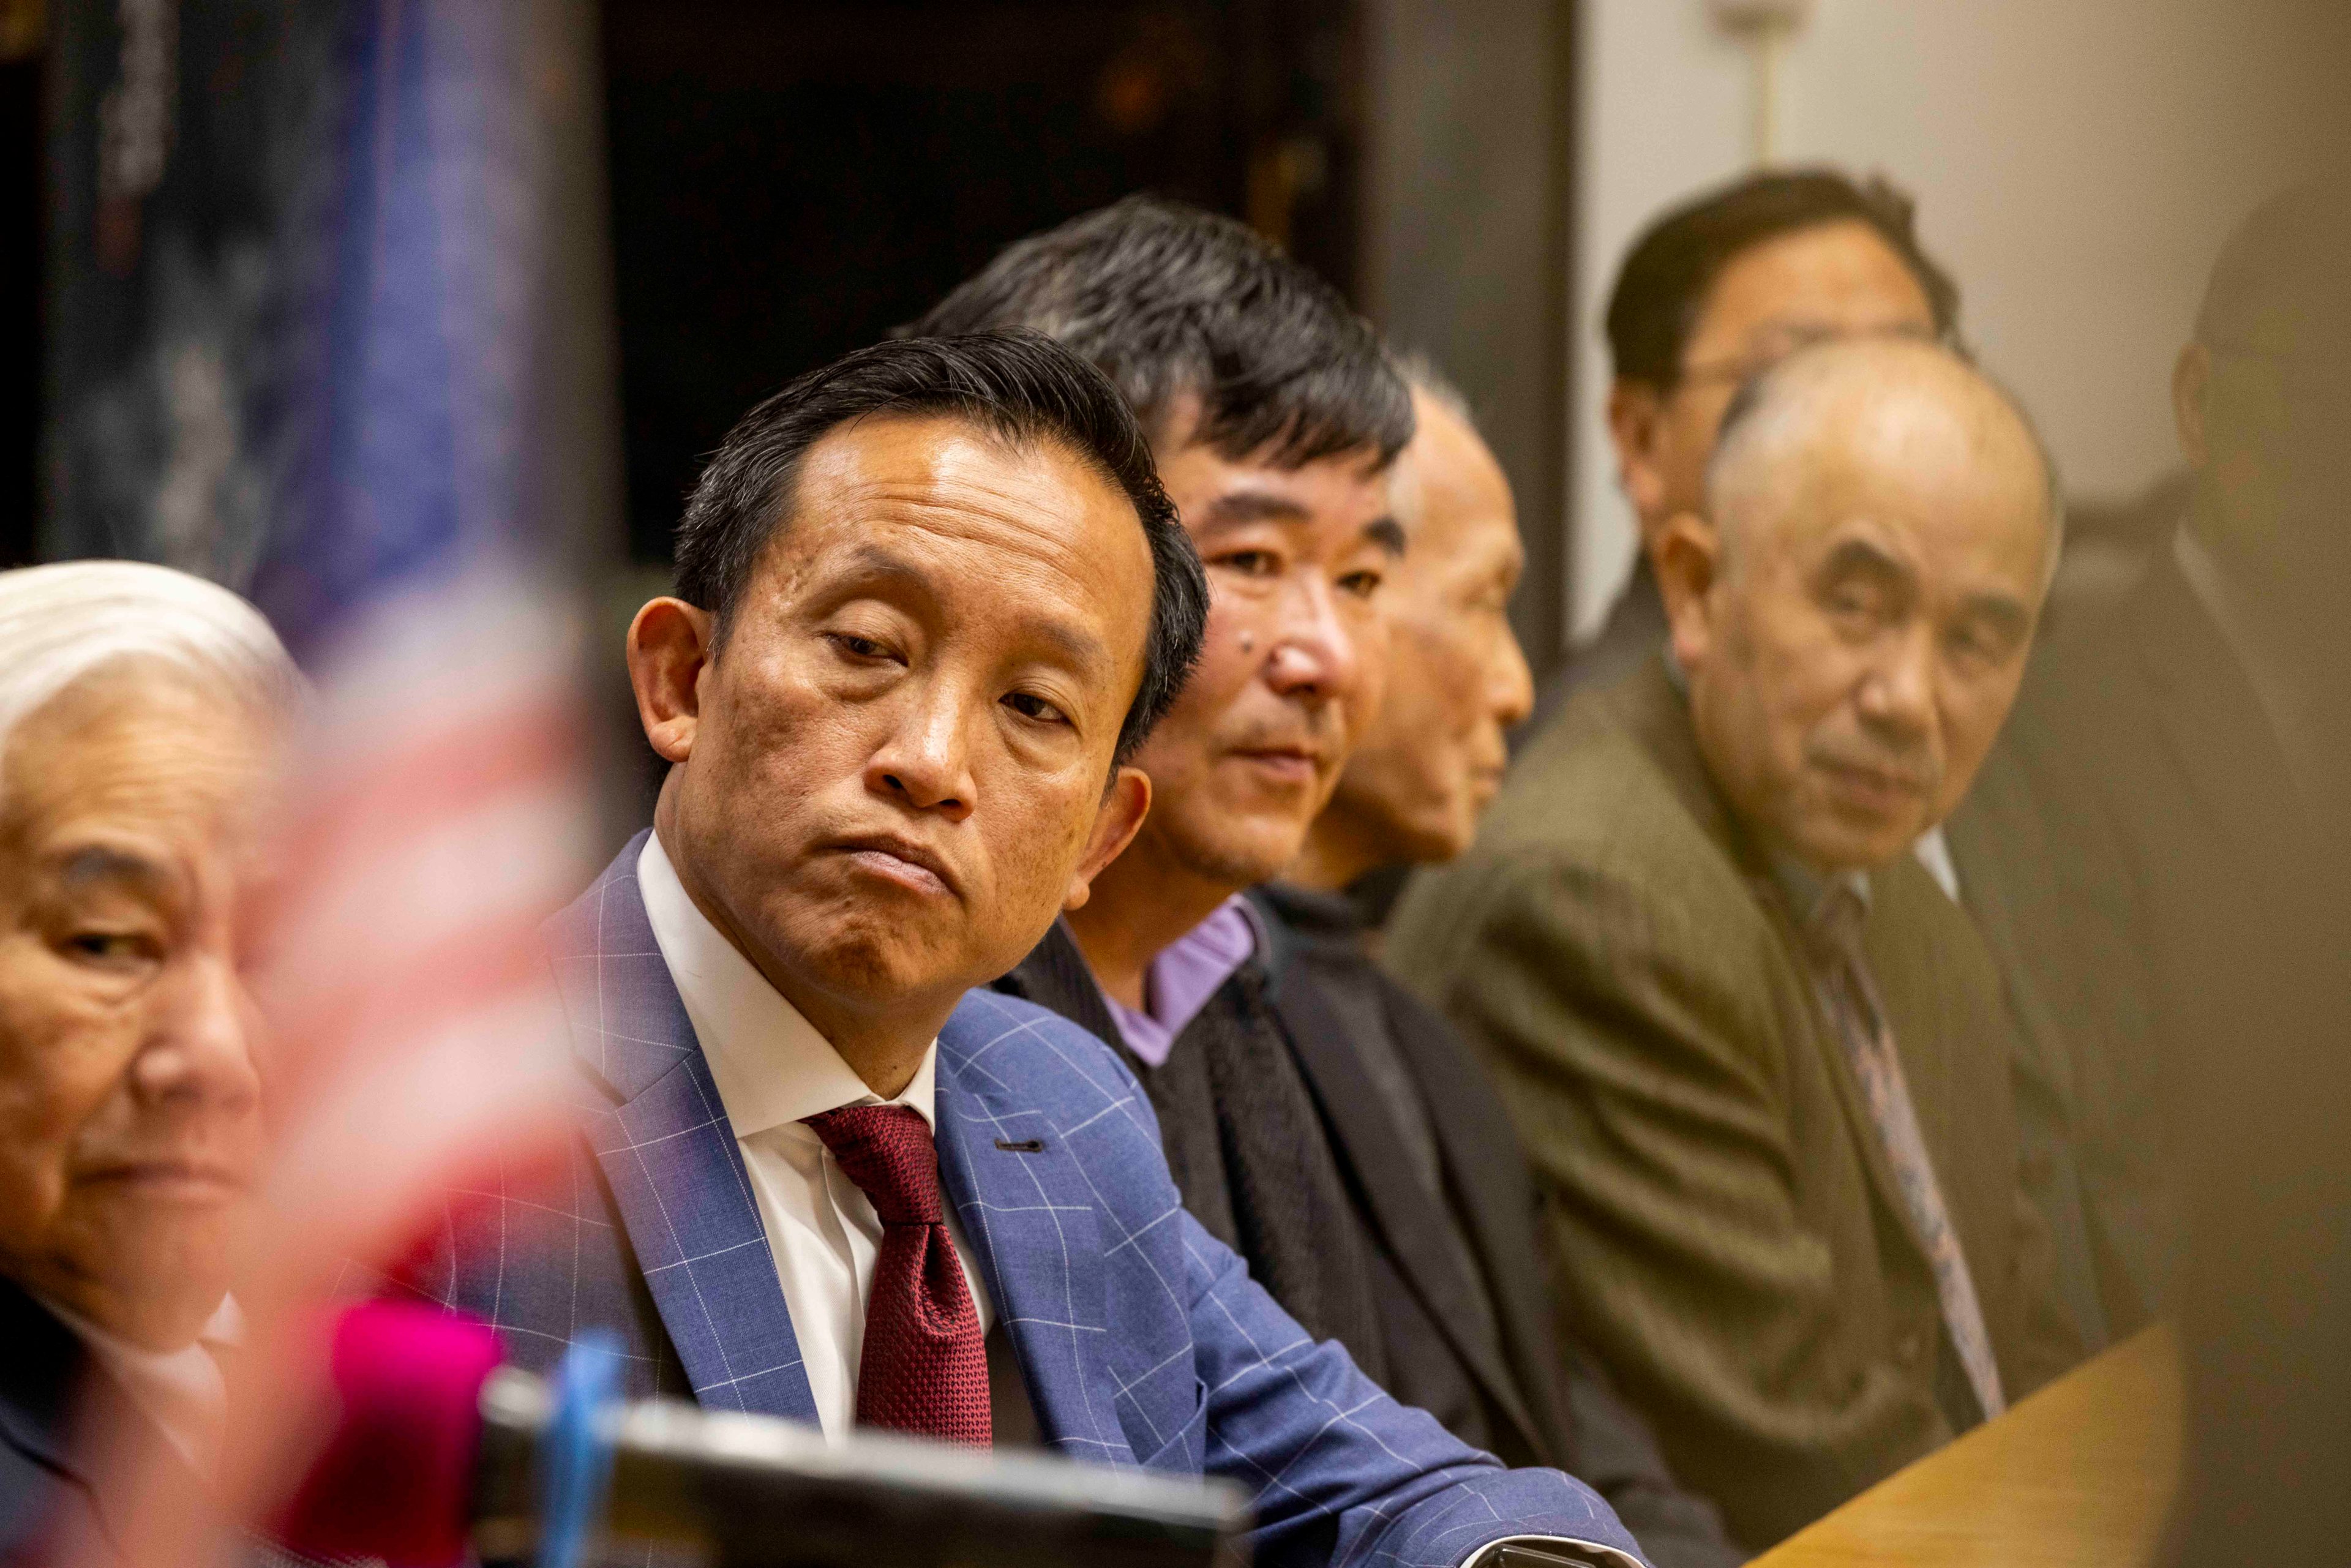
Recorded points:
(790, 181)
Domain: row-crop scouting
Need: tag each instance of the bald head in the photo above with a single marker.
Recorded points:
(1827, 412)
(1854, 606)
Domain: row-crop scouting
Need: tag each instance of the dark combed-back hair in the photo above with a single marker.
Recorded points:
(1662, 287)
(1172, 302)
(1018, 386)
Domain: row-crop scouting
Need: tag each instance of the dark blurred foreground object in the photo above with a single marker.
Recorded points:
(2185, 750)
(439, 1451)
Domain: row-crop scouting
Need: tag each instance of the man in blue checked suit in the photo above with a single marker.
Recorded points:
(930, 598)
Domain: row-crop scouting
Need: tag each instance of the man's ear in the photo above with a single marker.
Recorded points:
(1636, 424)
(2191, 377)
(1688, 556)
(1121, 813)
(669, 647)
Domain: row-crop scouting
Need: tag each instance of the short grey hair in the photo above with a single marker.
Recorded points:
(1755, 412)
(1422, 375)
(60, 625)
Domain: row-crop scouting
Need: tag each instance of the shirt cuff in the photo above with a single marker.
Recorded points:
(1548, 1552)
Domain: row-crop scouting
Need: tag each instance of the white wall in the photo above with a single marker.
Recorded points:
(2076, 165)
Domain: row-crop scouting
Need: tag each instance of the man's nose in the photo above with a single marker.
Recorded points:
(201, 1044)
(924, 764)
(1315, 657)
(1897, 693)
(1511, 683)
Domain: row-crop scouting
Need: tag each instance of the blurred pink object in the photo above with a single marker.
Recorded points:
(395, 1478)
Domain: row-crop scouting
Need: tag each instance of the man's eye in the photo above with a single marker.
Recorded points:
(1362, 585)
(1250, 562)
(857, 647)
(110, 947)
(1852, 604)
(1034, 707)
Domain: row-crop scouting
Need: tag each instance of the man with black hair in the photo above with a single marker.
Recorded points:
(933, 598)
(1716, 288)
(1274, 415)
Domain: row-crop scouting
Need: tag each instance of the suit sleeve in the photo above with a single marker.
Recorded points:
(1634, 1045)
(1343, 1473)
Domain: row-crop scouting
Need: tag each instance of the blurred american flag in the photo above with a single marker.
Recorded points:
(447, 477)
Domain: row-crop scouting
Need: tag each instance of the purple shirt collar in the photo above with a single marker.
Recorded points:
(1183, 976)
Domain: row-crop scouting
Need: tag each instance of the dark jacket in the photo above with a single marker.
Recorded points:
(1457, 1282)
(1729, 1233)
(2202, 945)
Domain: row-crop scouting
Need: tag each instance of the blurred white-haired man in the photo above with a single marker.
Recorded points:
(141, 712)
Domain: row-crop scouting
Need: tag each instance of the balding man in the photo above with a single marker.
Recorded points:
(1765, 1082)
(1440, 1184)
(139, 710)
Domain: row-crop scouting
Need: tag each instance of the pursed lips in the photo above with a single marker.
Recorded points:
(901, 861)
(190, 1180)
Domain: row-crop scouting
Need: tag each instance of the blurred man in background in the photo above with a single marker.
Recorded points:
(140, 711)
(1441, 1185)
(1714, 290)
(2187, 754)
(1765, 1085)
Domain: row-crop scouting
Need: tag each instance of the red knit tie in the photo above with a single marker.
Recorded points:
(924, 1368)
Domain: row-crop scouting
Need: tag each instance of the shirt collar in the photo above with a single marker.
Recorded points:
(1185, 974)
(772, 1066)
(182, 1391)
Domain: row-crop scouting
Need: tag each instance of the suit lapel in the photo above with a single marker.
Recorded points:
(1029, 1214)
(670, 1158)
(2214, 726)
(1482, 1156)
(1406, 1216)
(1658, 715)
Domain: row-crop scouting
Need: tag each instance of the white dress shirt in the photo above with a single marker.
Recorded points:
(773, 1069)
(182, 1391)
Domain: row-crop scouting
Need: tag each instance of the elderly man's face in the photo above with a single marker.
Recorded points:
(1458, 681)
(893, 770)
(1855, 638)
(1291, 670)
(130, 1109)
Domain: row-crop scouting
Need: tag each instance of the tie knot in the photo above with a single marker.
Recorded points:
(1834, 928)
(887, 1151)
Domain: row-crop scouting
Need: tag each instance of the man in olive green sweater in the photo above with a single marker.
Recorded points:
(1758, 1058)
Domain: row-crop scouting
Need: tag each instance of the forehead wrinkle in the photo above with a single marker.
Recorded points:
(920, 511)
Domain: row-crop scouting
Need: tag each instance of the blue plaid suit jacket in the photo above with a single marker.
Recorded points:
(1143, 1338)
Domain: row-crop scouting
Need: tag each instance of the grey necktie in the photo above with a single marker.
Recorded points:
(1842, 971)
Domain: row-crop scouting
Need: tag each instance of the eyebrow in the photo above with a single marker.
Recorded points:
(1860, 555)
(876, 563)
(1238, 507)
(2010, 616)
(105, 862)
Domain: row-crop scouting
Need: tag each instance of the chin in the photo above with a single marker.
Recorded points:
(879, 962)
